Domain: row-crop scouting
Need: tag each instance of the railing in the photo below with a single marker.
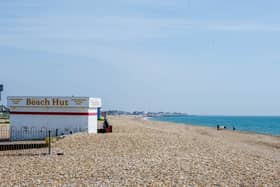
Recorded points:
(31, 133)
(29, 141)
(27, 147)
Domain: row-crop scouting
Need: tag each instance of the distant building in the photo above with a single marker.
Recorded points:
(137, 113)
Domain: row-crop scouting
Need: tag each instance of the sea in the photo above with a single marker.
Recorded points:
(255, 124)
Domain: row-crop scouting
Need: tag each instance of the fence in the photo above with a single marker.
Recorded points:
(29, 141)
(32, 133)
(24, 148)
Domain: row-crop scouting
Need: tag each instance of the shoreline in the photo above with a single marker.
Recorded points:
(201, 125)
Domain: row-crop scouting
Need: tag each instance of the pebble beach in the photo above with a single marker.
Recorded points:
(149, 153)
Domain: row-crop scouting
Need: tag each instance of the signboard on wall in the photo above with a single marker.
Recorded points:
(95, 102)
(27, 101)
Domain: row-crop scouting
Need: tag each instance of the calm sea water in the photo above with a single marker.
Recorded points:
(263, 125)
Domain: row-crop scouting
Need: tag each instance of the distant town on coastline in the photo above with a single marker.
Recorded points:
(143, 113)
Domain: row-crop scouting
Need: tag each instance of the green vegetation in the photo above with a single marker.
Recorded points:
(101, 119)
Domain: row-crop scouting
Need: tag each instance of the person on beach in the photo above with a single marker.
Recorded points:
(105, 124)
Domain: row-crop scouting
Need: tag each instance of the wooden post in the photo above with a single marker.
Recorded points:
(49, 142)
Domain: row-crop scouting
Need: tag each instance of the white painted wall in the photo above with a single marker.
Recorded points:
(92, 122)
(27, 126)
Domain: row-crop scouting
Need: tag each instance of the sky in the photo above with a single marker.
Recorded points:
(207, 57)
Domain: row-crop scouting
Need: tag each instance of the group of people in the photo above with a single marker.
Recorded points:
(224, 127)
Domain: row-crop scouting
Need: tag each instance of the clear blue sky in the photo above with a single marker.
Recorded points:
(195, 56)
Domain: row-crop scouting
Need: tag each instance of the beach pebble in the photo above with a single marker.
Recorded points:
(148, 153)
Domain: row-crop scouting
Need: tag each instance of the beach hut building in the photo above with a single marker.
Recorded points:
(31, 117)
